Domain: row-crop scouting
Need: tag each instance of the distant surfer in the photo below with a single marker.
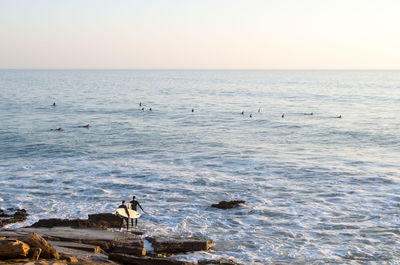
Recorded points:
(143, 108)
(283, 115)
(133, 205)
(251, 115)
(54, 104)
(242, 112)
(85, 126)
(339, 117)
(311, 113)
(140, 104)
(192, 110)
(58, 129)
(124, 218)
(259, 109)
(150, 109)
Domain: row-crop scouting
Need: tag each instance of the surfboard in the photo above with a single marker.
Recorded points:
(132, 213)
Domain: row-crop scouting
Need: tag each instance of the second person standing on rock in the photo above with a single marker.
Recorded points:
(133, 205)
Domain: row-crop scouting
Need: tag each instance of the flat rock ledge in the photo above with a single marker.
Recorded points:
(85, 241)
(227, 204)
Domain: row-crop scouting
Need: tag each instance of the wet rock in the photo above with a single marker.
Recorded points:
(48, 251)
(227, 204)
(137, 251)
(13, 249)
(34, 253)
(180, 246)
(12, 215)
(132, 260)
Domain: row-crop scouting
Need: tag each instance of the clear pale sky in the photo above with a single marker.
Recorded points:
(200, 34)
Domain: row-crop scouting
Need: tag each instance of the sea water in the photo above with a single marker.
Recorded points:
(318, 189)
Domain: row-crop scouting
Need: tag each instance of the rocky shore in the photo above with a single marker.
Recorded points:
(90, 241)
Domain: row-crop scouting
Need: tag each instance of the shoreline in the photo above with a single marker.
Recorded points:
(96, 240)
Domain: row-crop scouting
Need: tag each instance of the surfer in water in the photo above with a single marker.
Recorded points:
(124, 218)
(133, 205)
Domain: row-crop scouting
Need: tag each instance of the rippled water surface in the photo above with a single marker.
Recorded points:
(318, 189)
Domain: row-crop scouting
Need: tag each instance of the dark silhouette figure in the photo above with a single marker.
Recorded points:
(259, 109)
(251, 115)
(54, 104)
(283, 115)
(311, 113)
(150, 109)
(134, 204)
(124, 218)
(143, 108)
(140, 104)
(242, 112)
(192, 110)
(339, 117)
(58, 129)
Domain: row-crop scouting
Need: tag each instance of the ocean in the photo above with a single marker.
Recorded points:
(318, 189)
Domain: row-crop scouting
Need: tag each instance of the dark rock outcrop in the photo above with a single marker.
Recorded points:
(133, 260)
(227, 204)
(12, 215)
(173, 247)
(102, 220)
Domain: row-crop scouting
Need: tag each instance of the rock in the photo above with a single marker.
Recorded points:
(53, 222)
(101, 220)
(227, 204)
(13, 216)
(219, 261)
(34, 253)
(48, 251)
(180, 246)
(106, 220)
(13, 249)
(72, 259)
(78, 246)
(132, 260)
(137, 251)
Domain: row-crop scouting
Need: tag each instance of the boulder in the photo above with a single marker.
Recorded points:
(48, 251)
(13, 249)
(180, 246)
(227, 204)
(132, 260)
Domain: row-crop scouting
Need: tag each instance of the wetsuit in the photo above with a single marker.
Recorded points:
(134, 204)
(124, 218)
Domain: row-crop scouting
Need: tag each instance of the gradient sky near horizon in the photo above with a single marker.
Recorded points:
(200, 34)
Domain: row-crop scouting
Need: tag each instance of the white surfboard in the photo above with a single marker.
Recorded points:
(132, 213)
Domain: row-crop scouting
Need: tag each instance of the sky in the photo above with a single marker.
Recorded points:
(200, 34)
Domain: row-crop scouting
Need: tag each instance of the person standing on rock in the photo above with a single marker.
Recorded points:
(133, 205)
(124, 218)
